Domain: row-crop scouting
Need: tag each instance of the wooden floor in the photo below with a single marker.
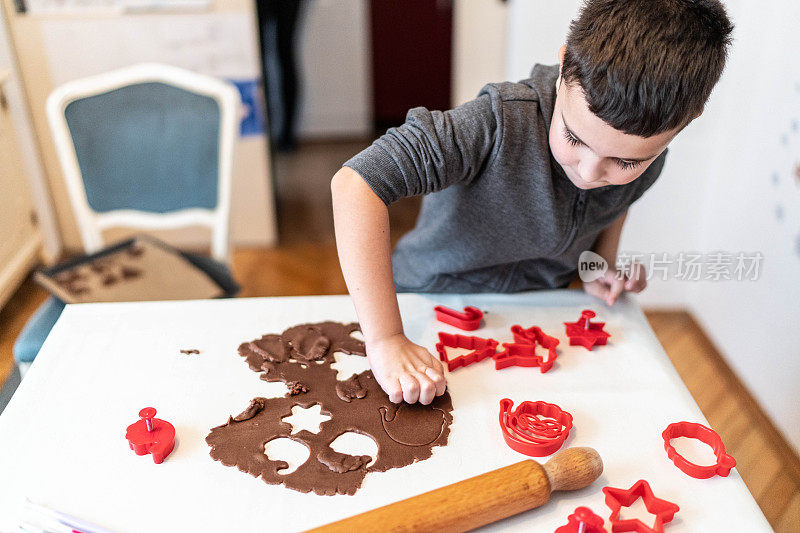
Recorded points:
(305, 263)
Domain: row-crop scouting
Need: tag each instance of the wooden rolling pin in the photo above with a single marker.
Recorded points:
(482, 499)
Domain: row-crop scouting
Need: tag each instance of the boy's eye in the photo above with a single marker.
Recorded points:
(621, 163)
(627, 165)
(570, 139)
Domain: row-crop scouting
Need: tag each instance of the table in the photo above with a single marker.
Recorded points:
(62, 436)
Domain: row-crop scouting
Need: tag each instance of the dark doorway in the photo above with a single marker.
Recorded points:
(411, 57)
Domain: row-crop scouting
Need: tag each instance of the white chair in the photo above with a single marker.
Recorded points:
(111, 147)
(147, 147)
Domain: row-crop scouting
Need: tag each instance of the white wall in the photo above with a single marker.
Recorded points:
(728, 185)
(753, 204)
(335, 69)
(479, 46)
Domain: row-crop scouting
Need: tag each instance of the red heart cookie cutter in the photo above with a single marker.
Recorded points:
(534, 428)
(468, 320)
(704, 434)
(481, 349)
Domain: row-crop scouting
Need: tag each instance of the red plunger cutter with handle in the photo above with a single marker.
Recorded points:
(151, 435)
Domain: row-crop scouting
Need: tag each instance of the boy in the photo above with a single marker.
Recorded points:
(525, 177)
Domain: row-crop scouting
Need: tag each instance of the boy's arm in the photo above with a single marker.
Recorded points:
(403, 369)
(432, 150)
(610, 285)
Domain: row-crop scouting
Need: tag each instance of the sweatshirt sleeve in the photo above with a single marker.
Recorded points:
(432, 149)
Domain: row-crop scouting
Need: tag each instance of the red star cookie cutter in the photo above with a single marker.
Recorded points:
(586, 333)
(468, 320)
(534, 428)
(522, 352)
(151, 435)
(704, 434)
(583, 520)
(481, 349)
(619, 498)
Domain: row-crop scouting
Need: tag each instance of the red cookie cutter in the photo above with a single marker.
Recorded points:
(583, 520)
(534, 428)
(151, 435)
(481, 349)
(468, 320)
(619, 498)
(704, 434)
(522, 352)
(586, 333)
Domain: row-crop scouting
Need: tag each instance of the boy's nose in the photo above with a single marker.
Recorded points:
(590, 171)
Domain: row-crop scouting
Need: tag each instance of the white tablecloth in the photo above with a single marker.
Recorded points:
(62, 436)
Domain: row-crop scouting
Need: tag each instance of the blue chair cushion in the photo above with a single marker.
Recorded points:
(36, 330)
(148, 146)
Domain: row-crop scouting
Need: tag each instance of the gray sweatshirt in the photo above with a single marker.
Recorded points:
(499, 214)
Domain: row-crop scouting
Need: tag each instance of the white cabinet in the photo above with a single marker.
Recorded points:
(20, 239)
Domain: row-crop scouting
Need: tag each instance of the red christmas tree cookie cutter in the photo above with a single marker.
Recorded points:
(583, 520)
(619, 498)
(586, 333)
(704, 434)
(468, 320)
(481, 349)
(151, 435)
(534, 428)
(522, 352)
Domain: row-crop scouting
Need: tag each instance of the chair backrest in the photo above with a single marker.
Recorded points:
(148, 146)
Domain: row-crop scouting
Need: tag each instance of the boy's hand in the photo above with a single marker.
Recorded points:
(611, 284)
(406, 371)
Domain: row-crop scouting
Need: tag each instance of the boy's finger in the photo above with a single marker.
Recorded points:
(436, 365)
(410, 388)
(614, 291)
(597, 289)
(427, 389)
(636, 285)
(636, 279)
(395, 391)
(438, 380)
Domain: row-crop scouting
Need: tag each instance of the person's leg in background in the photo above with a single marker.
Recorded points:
(278, 21)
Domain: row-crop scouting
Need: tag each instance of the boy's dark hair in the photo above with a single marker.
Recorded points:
(647, 66)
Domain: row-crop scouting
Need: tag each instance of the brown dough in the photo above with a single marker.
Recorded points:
(350, 389)
(295, 388)
(301, 357)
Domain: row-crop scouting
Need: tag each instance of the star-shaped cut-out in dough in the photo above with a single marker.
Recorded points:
(663, 510)
(306, 419)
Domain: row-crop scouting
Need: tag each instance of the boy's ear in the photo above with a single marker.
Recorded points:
(561, 52)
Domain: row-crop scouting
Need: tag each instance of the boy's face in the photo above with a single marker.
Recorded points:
(592, 153)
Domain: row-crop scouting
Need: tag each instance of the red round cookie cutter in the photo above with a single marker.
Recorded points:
(534, 428)
(468, 320)
(704, 434)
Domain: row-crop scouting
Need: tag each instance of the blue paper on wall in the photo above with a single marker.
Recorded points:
(252, 107)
